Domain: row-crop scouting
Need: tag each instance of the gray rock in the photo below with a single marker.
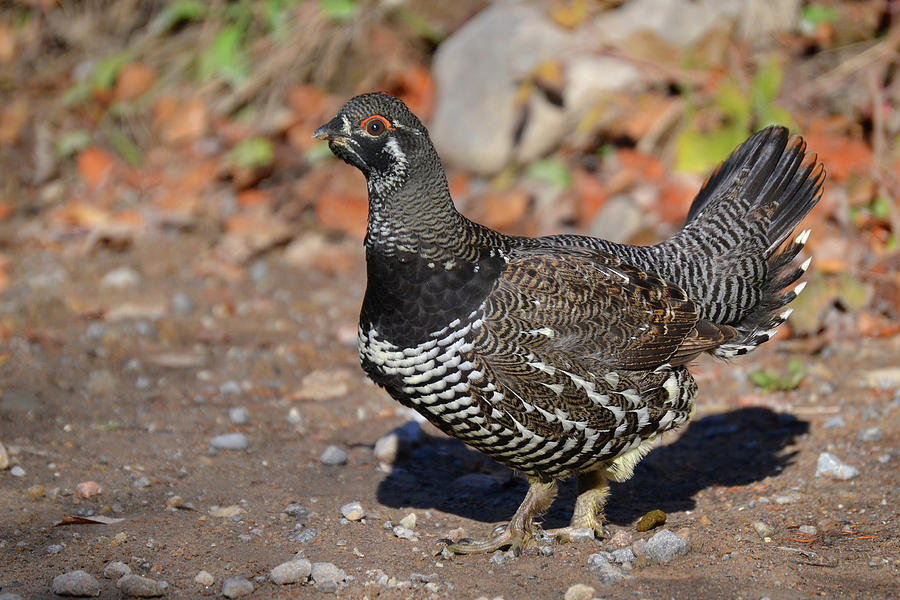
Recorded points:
(830, 465)
(135, 586)
(665, 545)
(581, 534)
(10, 596)
(297, 570)
(869, 434)
(204, 578)
(235, 587)
(230, 441)
(54, 549)
(181, 304)
(123, 277)
(477, 72)
(322, 572)
(497, 558)
(305, 536)
(605, 571)
(618, 220)
(808, 529)
(353, 511)
(834, 422)
(787, 499)
(17, 471)
(229, 387)
(623, 555)
(579, 591)
(75, 583)
(116, 570)
(299, 512)
(333, 455)
(398, 441)
(404, 533)
(763, 529)
(238, 415)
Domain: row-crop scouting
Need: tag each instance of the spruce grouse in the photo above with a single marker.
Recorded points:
(564, 354)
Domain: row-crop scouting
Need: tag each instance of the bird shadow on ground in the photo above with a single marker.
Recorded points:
(736, 448)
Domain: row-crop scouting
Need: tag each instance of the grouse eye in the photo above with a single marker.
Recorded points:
(375, 125)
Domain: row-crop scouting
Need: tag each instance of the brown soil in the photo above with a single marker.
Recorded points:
(89, 395)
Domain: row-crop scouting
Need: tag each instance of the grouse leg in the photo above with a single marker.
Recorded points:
(521, 528)
(593, 489)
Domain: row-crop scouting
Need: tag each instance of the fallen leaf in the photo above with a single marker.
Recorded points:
(500, 210)
(347, 213)
(179, 122)
(94, 520)
(249, 233)
(13, 118)
(843, 155)
(95, 166)
(7, 44)
(134, 80)
(590, 195)
(226, 512)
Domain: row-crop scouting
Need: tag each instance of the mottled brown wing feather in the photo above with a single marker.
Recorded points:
(592, 307)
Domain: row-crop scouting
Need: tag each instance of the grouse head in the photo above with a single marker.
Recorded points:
(378, 134)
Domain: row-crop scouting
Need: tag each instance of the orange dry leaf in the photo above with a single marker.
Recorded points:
(95, 166)
(675, 200)
(645, 167)
(180, 121)
(13, 118)
(502, 209)
(590, 195)
(842, 155)
(7, 44)
(415, 86)
(253, 198)
(133, 81)
(343, 212)
(6, 209)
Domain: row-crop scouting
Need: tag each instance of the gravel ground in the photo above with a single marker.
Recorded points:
(171, 432)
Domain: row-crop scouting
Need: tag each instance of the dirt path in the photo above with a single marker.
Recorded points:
(127, 386)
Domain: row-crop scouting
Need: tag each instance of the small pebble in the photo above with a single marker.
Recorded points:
(293, 571)
(135, 586)
(116, 570)
(665, 545)
(141, 482)
(238, 415)
(579, 591)
(88, 489)
(333, 455)
(353, 511)
(4, 457)
(121, 278)
(834, 422)
(763, 529)
(498, 558)
(869, 434)
(17, 471)
(305, 536)
(181, 304)
(299, 512)
(581, 534)
(623, 555)
(54, 549)
(75, 583)
(322, 572)
(229, 387)
(409, 521)
(235, 587)
(651, 520)
(294, 417)
(204, 578)
(230, 441)
(807, 529)
(830, 465)
(621, 539)
(788, 499)
(10, 596)
(403, 533)
(606, 571)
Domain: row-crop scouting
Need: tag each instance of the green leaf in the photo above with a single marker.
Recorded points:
(733, 103)
(770, 381)
(225, 57)
(339, 10)
(125, 146)
(252, 153)
(107, 71)
(766, 83)
(815, 14)
(551, 171)
(698, 152)
(72, 142)
(318, 152)
(176, 13)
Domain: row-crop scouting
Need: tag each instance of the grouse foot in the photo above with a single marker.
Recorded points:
(521, 529)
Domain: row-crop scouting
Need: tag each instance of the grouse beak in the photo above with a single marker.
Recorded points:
(334, 130)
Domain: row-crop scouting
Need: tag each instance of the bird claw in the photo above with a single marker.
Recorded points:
(502, 536)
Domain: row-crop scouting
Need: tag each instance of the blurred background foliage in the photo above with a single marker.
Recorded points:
(119, 117)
